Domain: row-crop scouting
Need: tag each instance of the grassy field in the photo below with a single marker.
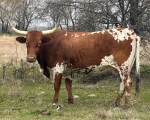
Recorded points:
(28, 100)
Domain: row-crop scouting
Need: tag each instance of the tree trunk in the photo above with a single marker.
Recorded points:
(134, 14)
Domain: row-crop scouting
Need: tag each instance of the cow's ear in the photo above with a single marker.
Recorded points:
(46, 39)
(21, 39)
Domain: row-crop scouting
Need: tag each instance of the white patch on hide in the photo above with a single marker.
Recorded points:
(103, 67)
(121, 87)
(95, 32)
(76, 35)
(103, 32)
(59, 68)
(120, 35)
(66, 34)
(107, 60)
(127, 94)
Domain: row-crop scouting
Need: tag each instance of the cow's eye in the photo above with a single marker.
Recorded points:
(39, 44)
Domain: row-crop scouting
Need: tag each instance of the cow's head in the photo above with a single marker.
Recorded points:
(33, 40)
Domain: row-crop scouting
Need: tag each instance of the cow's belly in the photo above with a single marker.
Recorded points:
(107, 63)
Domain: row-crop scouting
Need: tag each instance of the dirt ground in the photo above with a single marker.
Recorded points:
(11, 50)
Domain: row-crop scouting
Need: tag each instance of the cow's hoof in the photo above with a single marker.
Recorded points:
(115, 105)
(70, 101)
(54, 104)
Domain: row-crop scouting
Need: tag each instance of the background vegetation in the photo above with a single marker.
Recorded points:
(26, 94)
(85, 15)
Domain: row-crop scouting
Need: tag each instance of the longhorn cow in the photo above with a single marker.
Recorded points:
(65, 51)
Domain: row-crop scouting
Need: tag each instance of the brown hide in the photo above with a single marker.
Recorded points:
(83, 51)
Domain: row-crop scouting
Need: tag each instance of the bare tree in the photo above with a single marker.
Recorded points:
(23, 12)
(5, 8)
(63, 10)
(82, 15)
(139, 18)
(27, 11)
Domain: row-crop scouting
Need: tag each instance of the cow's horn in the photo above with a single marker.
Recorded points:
(16, 30)
(52, 30)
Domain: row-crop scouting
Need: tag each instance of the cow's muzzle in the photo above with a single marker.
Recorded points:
(31, 59)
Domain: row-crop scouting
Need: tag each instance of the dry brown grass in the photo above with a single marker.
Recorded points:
(11, 50)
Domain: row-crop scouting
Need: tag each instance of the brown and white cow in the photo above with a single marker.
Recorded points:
(65, 51)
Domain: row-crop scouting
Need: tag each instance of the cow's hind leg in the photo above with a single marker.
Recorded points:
(125, 86)
(128, 86)
(68, 84)
(121, 92)
(57, 84)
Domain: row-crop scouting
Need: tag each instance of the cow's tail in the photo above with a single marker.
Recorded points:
(137, 67)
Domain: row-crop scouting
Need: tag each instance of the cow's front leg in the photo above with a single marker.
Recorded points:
(68, 84)
(57, 84)
(118, 99)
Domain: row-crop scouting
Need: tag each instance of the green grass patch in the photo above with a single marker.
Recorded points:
(22, 100)
(145, 71)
